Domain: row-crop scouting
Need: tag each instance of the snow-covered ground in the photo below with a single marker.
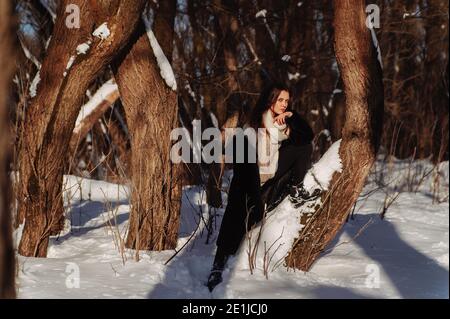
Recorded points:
(404, 255)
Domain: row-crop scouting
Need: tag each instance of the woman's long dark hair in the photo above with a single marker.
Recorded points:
(267, 98)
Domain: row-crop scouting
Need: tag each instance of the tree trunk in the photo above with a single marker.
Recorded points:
(362, 78)
(51, 116)
(227, 99)
(435, 87)
(7, 260)
(164, 22)
(152, 112)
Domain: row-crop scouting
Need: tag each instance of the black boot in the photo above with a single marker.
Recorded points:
(215, 277)
(298, 195)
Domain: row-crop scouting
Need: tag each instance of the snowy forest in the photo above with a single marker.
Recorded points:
(92, 204)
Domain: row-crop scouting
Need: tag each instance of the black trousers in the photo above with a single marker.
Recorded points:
(247, 199)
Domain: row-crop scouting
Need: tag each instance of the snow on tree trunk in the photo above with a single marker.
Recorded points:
(74, 58)
(92, 111)
(362, 78)
(7, 260)
(152, 112)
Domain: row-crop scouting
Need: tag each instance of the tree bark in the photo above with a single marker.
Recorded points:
(362, 78)
(152, 112)
(7, 260)
(51, 116)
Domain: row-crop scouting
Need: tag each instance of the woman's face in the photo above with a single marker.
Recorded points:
(281, 103)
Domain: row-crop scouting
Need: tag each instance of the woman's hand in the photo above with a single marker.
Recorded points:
(281, 119)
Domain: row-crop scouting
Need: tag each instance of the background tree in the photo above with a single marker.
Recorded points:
(152, 112)
(7, 258)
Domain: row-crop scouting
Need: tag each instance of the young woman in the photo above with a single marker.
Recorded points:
(256, 188)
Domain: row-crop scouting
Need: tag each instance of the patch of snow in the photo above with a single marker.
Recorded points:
(191, 92)
(83, 48)
(17, 235)
(102, 31)
(164, 65)
(261, 13)
(295, 76)
(105, 131)
(320, 174)
(214, 119)
(48, 42)
(202, 101)
(106, 89)
(78, 188)
(34, 84)
(69, 64)
(16, 80)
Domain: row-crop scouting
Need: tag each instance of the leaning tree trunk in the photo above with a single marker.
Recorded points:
(7, 260)
(49, 121)
(362, 78)
(152, 112)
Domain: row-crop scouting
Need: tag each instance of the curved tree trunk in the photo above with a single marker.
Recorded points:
(362, 78)
(7, 260)
(152, 112)
(51, 116)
